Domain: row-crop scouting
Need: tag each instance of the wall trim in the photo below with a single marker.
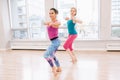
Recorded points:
(78, 45)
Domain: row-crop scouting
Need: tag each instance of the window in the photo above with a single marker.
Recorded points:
(87, 12)
(115, 18)
(64, 8)
(26, 19)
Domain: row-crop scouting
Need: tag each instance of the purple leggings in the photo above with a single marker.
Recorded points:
(69, 42)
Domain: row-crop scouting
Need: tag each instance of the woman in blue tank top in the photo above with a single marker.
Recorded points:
(71, 22)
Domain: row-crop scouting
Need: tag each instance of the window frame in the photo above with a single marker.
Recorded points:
(114, 25)
(27, 28)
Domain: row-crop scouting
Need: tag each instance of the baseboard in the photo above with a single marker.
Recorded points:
(113, 50)
(3, 49)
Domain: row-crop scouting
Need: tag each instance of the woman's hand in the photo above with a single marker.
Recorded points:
(67, 18)
(75, 20)
(46, 23)
(49, 23)
(55, 24)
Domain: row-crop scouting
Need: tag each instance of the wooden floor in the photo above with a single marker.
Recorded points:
(30, 65)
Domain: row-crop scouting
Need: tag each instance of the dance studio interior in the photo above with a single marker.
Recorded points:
(28, 53)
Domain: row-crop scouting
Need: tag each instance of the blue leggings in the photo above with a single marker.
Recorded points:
(49, 55)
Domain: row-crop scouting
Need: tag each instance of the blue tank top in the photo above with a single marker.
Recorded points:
(71, 27)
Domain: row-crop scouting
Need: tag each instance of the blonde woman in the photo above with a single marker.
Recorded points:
(71, 22)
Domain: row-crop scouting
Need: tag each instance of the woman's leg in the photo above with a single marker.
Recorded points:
(57, 64)
(48, 55)
(57, 44)
(74, 59)
(72, 38)
(68, 46)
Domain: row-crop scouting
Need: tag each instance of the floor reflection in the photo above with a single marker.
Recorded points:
(30, 65)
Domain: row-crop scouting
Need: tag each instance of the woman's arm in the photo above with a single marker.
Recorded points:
(55, 24)
(67, 18)
(46, 23)
(75, 20)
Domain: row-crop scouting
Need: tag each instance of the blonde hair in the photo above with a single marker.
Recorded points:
(75, 10)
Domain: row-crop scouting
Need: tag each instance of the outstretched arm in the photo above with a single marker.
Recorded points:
(75, 20)
(67, 18)
(46, 23)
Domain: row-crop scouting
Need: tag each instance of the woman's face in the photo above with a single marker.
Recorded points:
(73, 12)
(52, 14)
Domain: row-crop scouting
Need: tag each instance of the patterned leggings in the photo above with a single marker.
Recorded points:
(49, 55)
(69, 42)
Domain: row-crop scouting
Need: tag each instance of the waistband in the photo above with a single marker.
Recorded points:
(54, 38)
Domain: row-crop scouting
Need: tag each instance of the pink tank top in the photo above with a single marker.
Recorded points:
(52, 32)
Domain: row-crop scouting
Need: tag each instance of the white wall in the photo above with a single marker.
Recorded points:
(105, 19)
(4, 26)
(48, 4)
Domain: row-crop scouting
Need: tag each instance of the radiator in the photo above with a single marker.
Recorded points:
(114, 46)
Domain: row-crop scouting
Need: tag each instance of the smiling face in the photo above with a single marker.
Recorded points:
(52, 14)
(73, 11)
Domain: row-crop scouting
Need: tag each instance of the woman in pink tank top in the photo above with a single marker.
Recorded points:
(52, 29)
